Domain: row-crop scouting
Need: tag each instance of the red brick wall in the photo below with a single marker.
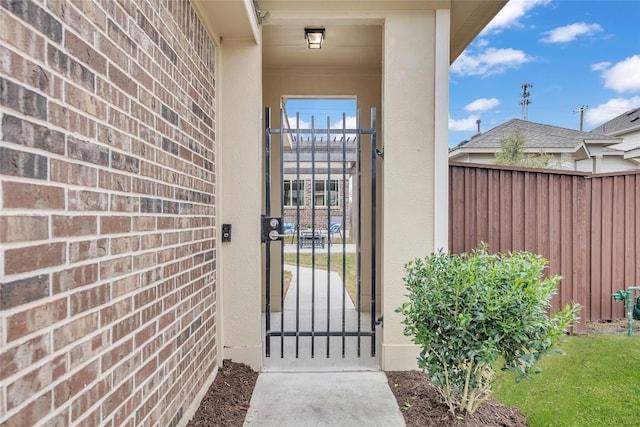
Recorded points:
(107, 227)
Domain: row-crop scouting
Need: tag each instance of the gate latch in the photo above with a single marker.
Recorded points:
(272, 228)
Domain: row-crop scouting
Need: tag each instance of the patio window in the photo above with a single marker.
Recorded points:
(326, 191)
(293, 192)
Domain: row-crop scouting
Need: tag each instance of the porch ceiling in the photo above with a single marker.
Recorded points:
(353, 27)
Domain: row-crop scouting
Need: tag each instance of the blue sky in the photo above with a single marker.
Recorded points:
(574, 53)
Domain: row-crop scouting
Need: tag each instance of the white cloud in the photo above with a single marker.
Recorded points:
(600, 66)
(463, 125)
(610, 109)
(303, 124)
(570, 32)
(623, 76)
(482, 43)
(510, 15)
(488, 62)
(350, 123)
(482, 104)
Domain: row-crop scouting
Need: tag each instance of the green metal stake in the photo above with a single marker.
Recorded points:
(627, 296)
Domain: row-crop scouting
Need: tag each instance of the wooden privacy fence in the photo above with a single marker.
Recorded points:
(586, 225)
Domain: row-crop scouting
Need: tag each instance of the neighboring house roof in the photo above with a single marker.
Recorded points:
(538, 137)
(624, 123)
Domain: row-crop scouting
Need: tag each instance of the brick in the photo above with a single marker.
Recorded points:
(87, 399)
(73, 173)
(120, 245)
(84, 101)
(25, 133)
(124, 162)
(67, 226)
(116, 354)
(126, 367)
(25, 71)
(75, 384)
(124, 286)
(115, 267)
(168, 51)
(32, 413)
(85, 53)
(92, 11)
(89, 298)
(23, 164)
(23, 291)
(144, 223)
(170, 146)
(22, 228)
(87, 151)
(80, 200)
(24, 355)
(69, 67)
(75, 330)
(114, 181)
(143, 261)
(147, 27)
(169, 115)
(125, 327)
(115, 224)
(112, 94)
(33, 14)
(111, 51)
(19, 195)
(29, 384)
(75, 277)
(33, 258)
(121, 39)
(88, 349)
(89, 249)
(149, 205)
(121, 203)
(15, 33)
(150, 241)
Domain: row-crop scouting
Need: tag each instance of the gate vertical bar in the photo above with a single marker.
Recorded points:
(297, 234)
(282, 241)
(313, 232)
(344, 232)
(359, 250)
(373, 231)
(267, 179)
(328, 203)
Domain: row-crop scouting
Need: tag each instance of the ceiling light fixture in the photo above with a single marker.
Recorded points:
(314, 37)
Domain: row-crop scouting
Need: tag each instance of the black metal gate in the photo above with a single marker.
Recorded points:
(314, 231)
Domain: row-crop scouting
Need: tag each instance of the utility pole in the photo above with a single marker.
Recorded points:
(524, 99)
(581, 110)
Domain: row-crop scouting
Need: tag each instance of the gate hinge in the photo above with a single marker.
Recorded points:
(380, 321)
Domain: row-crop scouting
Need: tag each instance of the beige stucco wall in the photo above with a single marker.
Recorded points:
(240, 91)
(414, 77)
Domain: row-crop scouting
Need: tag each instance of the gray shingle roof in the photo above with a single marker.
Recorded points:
(623, 123)
(537, 136)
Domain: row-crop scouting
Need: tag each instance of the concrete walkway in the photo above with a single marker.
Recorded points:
(333, 399)
(320, 391)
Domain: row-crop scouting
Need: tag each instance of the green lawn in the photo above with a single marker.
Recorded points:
(597, 383)
(336, 265)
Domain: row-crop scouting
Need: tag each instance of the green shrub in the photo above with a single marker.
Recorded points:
(468, 311)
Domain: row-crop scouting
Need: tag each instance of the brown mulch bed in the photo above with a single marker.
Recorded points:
(227, 400)
(422, 405)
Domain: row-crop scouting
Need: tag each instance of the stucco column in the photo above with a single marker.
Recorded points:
(415, 104)
(240, 183)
